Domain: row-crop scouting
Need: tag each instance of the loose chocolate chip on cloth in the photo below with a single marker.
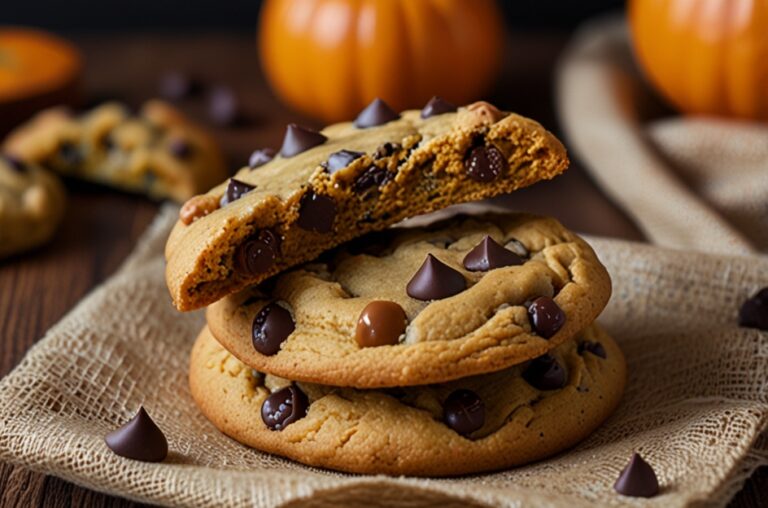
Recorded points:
(697, 426)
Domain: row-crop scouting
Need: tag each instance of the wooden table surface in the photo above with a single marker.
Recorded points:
(101, 226)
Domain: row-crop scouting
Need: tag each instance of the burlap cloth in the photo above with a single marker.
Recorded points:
(695, 406)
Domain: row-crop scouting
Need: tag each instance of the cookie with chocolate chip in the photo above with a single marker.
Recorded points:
(469, 296)
(157, 152)
(492, 421)
(325, 188)
(31, 205)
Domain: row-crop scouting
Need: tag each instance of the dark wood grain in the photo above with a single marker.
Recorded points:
(101, 226)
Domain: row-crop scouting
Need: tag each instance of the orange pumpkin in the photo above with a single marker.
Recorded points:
(705, 57)
(330, 58)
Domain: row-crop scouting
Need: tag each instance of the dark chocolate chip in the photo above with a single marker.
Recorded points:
(107, 142)
(15, 163)
(488, 255)
(435, 280)
(260, 157)
(223, 107)
(316, 213)
(341, 159)
(298, 139)
(754, 311)
(546, 316)
(595, 348)
(517, 247)
(176, 85)
(284, 407)
(545, 373)
(380, 324)
(637, 479)
(257, 254)
(376, 113)
(373, 176)
(139, 439)
(235, 190)
(70, 154)
(464, 411)
(386, 150)
(271, 326)
(485, 163)
(437, 106)
(180, 148)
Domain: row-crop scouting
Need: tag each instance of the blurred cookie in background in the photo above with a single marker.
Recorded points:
(157, 151)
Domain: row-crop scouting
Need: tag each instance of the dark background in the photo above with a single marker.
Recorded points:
(136, 15)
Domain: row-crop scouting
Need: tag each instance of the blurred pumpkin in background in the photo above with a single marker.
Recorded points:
(706, 57)
(330, 58)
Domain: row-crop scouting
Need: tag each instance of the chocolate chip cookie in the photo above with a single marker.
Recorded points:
(31, 205)
(325, 188)
(419, 306)
(507, 418)
(157, 152)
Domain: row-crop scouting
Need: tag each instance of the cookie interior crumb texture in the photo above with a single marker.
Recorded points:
(305, 203)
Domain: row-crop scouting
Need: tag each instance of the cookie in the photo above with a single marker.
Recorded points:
(31, 205)
(325, 188)
(157, 152)
(499, 420)
(418, 306)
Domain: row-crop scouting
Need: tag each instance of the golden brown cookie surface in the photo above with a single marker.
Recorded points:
(481, 423)
(335, 322)
(348, 181)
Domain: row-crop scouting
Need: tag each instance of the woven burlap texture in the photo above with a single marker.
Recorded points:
(696, 399)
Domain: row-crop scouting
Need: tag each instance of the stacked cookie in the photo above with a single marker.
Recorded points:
(466, 346)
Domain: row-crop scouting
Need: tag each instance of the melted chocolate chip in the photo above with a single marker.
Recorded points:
(435, 280)
(546, 316)
(595, 348)
(15, 163)
(376, 113)
(517, 247)
(180, 148)
(260, 157)
(373, 176)
(464, 411)
(485, 163)
(271, 326)
(380, 324)
(235, 190)
(284, 407)
(257, 254)
(70, 154)
(341, 159)
(637, 479)
(437, 106)
(139, 439)
(488, 255)
(299, 139)
(316, 213)
(386, 150)
(223, 106)
(754, 311)
(545, 373)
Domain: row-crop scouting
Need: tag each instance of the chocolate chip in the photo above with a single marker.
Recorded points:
(176, 85)
(15, 163)
(373, 176)
(595, 348)
(107, 142)
(545, 373)
(180, 148)
(316, 213)
(70, 154)
(341, 159)
(380, 324)
(488, 255)
(517, 247)
(260, 157)
(437, 106)
(139, 439)
(637, 479)
(235, 190)
(386, 150)
(435, 280)
(754, 311)
(271, 326)
(298, 139)
(223, 107)
(284, 407)
(257, 254)
(376, 113)
(546, 316)
(485, 163)
(464, 411)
